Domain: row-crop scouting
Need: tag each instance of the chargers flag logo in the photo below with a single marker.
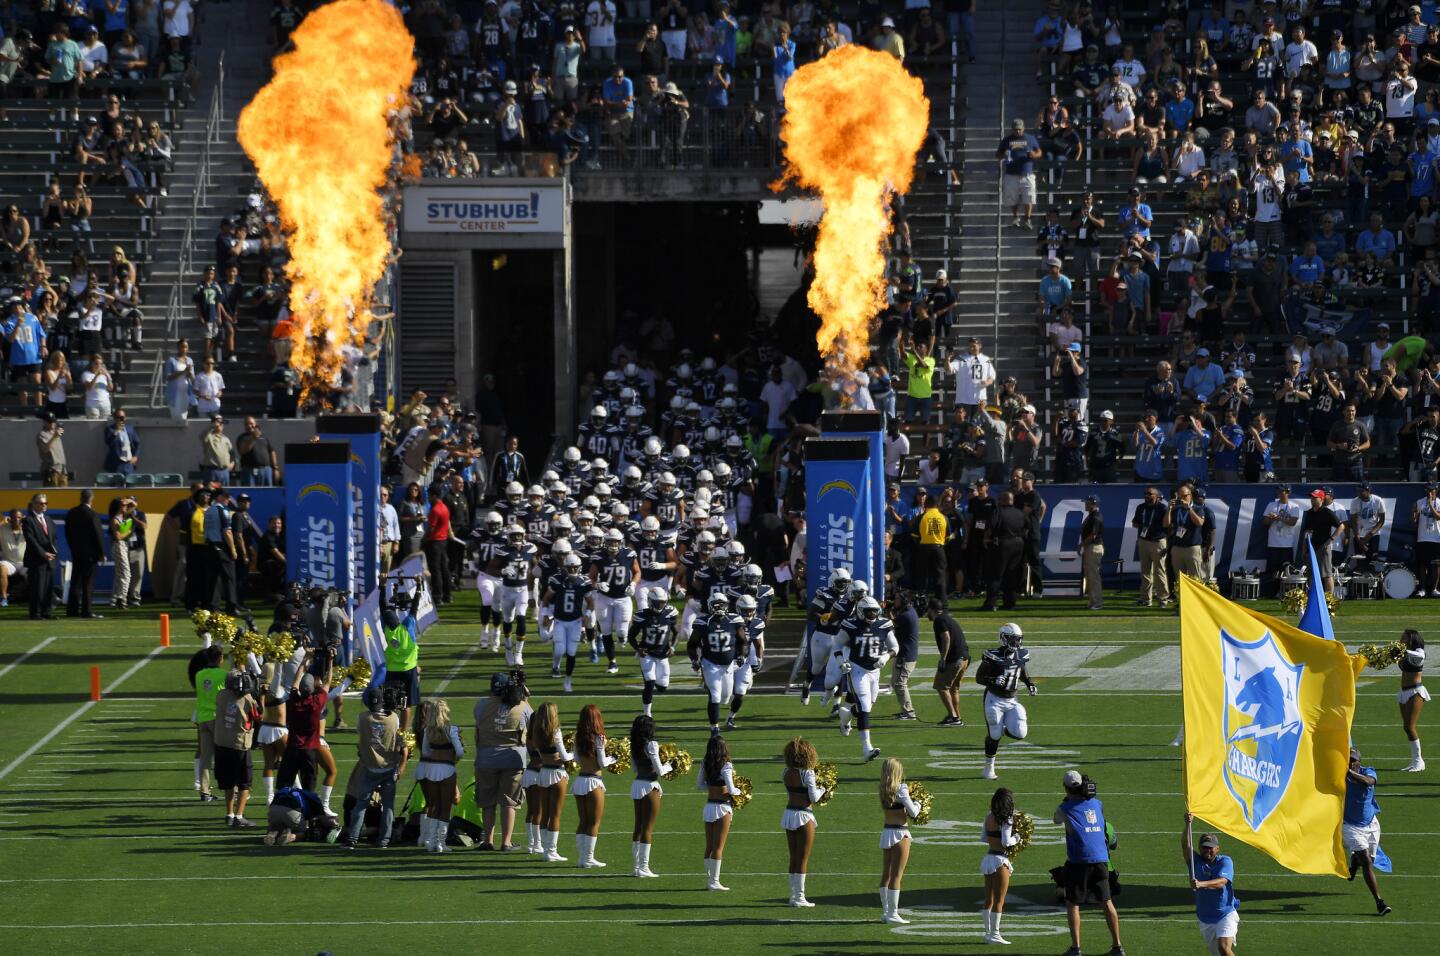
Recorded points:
(1267, 711)
(317, 488)
(1262, 723)
(838, 485)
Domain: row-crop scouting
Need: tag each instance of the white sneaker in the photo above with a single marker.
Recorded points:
(801, 902)
(717, 885)
(613, 669)
(1414, 766)
(568, 688)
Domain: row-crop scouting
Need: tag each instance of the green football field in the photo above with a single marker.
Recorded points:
(107, 849)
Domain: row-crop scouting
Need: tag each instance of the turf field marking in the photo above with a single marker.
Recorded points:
(455, 671)
(26, 656)
(79, 712)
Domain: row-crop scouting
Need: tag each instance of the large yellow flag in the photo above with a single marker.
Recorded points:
(1267, 729)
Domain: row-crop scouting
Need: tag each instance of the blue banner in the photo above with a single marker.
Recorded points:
(362, 431)
(1240, 532)
(405, 578)
(319, 513)
(870, 426)
(838, 526)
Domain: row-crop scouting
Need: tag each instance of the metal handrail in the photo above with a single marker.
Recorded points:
(215, 114)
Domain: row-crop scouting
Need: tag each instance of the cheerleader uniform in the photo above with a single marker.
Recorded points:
(550, 775)
(993, 860)
(720, 804)
(585, 784)
(795, 818)
(434, 766)
(1413, 662)
(648, 771)
(893, 835)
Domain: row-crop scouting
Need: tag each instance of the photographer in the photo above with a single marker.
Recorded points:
(304, 745)
(402, 659)
(1086, 872)
(329, 626)
(298, 814)
(1187, 520)
(235, 714)
(500, 723)
(381, 756)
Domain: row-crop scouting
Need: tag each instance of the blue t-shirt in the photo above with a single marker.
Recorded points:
(1228, 459)
(1307, 269)
(1148, 463)
(1016, 150)
(725, 31)
(1211, 906)
(1381, 243)
(784, 65)
(119, 19)
(614, 92)
(1137, 284)
(29, 339)
(1180, 112)
(1084, 831)
(1422, 183)
(1360, 805)
(1204, 381)
(1130, 223)
(1292, 157)
(1055, 291)
(1194, 449)
(1328, 247)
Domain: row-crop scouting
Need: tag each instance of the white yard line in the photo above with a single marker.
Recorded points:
(26, 656)
(79, 712)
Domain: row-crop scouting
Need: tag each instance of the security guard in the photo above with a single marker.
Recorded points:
(1003, 559)
(1092, 551)
(1151, 519)
(932, 528)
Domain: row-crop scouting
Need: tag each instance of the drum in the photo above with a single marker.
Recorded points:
(1289, 581)
(1342, 586)
(1244, 587)
(1399, 582)
(1364, 587)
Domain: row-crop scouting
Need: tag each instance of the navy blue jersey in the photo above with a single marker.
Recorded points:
(515, 565)
(1002, 670)
(703, 580)
(685, 478)
(536, 522)
(764, 596)
(485, 546)
(491, 36)
(568, 593)
(614, 573)
(548, 566)
(719, 637)
(821, 605)
(693, 431)
(870, 641)
(651, 553)
(666, 507)
(632, 443)
(610, 399)
(652, 468)
(633, 496)
(596, 442)
(707, 389)
(575, 478)
(653, 632)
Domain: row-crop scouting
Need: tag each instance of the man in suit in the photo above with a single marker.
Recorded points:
(86, 540)
(40, 558)
(508, 466)
(122, 445)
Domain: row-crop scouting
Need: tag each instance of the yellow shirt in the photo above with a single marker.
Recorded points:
(932, 526)
(197, 526)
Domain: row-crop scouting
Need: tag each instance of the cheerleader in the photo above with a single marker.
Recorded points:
(995, 866)
(272, 734)
(440, 749)
(895, 838)
(589, 786)
(544, 739)
(717, 774)
(534, 799)
(1413, 694)
(798, 821)
(645, 792)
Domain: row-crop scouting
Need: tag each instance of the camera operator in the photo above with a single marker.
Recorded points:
(328, 624)
(304, 744)
(298, 814)
(1086, 872)
(402, 657)
(381, 760)
(236, 711)
(500, 723)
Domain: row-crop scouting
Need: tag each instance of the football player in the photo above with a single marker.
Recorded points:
(597, 437)
(748, 610)
(514, 564)
(485, 541)
(1002, 670)
(615, 573)
(568, 593)
(656, 554)
(547, 566)
(574, 472)
(665, 502)
(866, 642)
(821, 637)
(653, 634)
(717, 642)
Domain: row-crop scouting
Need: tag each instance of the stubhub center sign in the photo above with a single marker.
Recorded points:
(529, 208)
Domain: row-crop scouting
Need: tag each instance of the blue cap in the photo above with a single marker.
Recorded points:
(1202, 353)
(1283, 486)
(1075, 347)
(1091, 500)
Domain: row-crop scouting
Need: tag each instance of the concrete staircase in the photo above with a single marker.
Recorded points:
(996, 288)
(233, 53)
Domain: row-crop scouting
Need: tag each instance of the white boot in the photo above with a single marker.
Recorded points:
(797, 891)
(989, 773)
(424, 832)
(895, 917)
(635, 859)
(587, 852)
(712, 870)
(993, 936)
(645, 870)
(442, 830)
(550, 840)
(844, 720)
(532, 841)
(985, 916)
(1417, 762)
(884, 904)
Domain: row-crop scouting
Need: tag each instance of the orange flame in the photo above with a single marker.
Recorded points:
(319, 134)
(854, 121)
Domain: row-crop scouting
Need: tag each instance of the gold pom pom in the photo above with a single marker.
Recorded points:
(618, 750)
(679, 760)
(359, 673)
(1381, 656)
(279, 646)
(1295, 599)
(921, 795)
(201, 620)
(572, 767)
(409, 738)
(746, 794)
(1024, 830)
(827, 777)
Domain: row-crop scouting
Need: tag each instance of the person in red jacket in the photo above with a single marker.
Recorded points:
(437, 545)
